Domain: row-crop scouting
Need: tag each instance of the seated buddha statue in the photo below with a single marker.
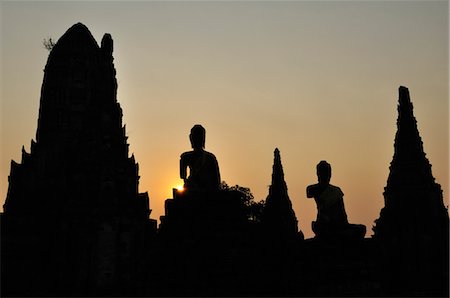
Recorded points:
(331, 216)
(204, 172)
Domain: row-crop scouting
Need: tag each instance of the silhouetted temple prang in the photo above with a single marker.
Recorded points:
(73, 216)
(413, 227)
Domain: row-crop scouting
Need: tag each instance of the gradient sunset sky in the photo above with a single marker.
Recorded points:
(318, 80)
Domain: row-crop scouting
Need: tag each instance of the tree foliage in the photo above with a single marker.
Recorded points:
(48, 43)
(253, 209)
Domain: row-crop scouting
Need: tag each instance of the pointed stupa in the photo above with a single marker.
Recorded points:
(413, 200)
(278, 215)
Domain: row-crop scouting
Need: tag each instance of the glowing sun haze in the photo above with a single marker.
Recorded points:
(318, 80)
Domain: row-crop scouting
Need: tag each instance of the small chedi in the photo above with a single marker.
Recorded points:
(75, 223)
(331, 216)
(278, 217)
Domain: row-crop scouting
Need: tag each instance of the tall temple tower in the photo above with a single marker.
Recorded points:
(73, 217)
(413, 226)
(278, 215)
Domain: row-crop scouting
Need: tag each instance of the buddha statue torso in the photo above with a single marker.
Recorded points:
(203, 170)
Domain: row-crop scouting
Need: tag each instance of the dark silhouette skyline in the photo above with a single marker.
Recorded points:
(295, 86)
(75, 224)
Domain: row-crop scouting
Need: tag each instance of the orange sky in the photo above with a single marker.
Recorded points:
(318, 80)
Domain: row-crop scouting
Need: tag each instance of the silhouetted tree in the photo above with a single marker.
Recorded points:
(48, 43)
(253, 209)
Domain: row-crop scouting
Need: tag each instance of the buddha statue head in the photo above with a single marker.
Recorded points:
(323, 172)
(197, 137)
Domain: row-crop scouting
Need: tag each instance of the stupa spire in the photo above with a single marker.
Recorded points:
(278, 183)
